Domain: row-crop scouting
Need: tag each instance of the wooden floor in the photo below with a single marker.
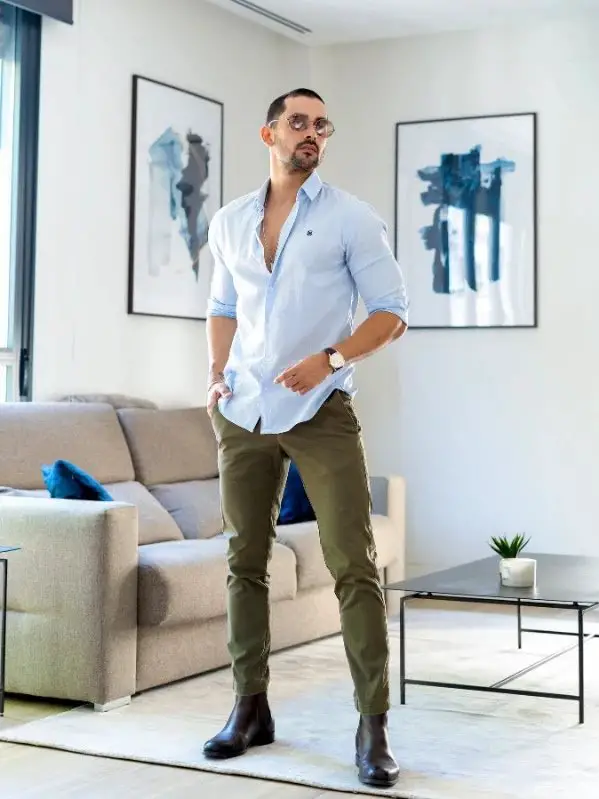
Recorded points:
(28, 771)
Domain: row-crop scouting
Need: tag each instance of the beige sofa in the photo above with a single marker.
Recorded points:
(107, 599)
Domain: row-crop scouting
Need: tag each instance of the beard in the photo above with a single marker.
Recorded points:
(304, 160)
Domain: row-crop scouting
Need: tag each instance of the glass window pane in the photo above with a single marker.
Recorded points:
(7, 148)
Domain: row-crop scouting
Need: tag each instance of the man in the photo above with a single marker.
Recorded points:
(290, 262)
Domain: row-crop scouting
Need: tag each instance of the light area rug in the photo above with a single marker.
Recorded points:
(449, 744)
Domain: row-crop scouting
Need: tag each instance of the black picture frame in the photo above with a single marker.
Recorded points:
(404, 256)
(151, 305)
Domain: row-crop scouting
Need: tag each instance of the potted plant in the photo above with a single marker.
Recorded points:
(515, 571)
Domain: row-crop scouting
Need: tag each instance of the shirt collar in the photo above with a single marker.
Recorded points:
(311, 188)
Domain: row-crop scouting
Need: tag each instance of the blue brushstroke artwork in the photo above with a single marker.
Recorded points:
(178, 172)
(463, 182)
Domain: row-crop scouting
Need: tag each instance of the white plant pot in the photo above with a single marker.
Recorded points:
(518, 572)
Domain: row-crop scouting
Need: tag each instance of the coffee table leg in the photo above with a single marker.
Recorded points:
(3, 635)
(402, 649)
(580, 664)
(519, 625)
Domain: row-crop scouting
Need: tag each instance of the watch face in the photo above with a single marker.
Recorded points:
(337, 360)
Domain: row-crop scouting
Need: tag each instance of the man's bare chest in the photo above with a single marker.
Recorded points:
(272, 226)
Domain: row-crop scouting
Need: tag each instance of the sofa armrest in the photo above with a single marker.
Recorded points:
(389, 498)
(72, 598)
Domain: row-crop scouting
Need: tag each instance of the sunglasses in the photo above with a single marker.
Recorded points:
(301, 122)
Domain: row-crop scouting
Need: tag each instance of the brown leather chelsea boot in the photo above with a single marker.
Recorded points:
(250, 724)
(375, 762)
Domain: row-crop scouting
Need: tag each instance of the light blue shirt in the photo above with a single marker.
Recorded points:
(332, 249)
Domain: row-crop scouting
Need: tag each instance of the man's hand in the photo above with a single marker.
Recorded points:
(307, 374)
(217, 389)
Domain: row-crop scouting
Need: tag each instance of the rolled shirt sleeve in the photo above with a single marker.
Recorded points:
(223, 295)
(374, 268)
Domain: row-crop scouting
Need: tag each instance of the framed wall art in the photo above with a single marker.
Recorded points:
(466, 220)
(176, 187)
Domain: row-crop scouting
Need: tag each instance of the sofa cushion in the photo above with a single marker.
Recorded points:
(304, 540)
(10, 491)
(155, 523)
(194, 505)
(170, 446)
(36, 433)
(182, 582)
(116, 400)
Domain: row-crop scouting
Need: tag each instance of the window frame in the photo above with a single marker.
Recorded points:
(18, 357)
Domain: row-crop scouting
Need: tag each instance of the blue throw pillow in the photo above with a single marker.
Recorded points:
(64, 480)
(295, 506)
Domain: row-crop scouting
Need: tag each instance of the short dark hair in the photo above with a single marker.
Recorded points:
(277, 106)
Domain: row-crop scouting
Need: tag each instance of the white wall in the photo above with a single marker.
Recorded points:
(84, 339)
(496, 431)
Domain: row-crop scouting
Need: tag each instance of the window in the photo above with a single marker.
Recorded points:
(7, 129)
(19, 106)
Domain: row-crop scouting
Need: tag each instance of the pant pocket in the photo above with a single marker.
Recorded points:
(347, 404)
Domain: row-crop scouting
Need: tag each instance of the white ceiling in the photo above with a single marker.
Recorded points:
(333, 21)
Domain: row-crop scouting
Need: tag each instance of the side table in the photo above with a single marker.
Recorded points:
(4, 568)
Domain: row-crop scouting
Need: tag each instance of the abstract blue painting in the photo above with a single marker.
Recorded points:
(177, 164)
(466, 220)
(178, 172)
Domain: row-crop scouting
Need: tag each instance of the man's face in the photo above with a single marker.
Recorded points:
(298, 138)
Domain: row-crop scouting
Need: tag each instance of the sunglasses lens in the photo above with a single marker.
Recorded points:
(297, 122)
(300, 122)
(324, 128)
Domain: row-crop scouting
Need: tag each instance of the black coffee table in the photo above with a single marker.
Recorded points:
(563, 582)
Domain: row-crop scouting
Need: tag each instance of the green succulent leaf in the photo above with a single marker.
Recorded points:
(508, 548)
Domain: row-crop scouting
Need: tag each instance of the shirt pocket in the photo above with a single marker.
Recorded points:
(320, 260)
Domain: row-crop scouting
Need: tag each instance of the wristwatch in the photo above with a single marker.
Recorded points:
(336, 359)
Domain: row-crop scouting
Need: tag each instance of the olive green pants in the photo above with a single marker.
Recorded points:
(329, 455)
